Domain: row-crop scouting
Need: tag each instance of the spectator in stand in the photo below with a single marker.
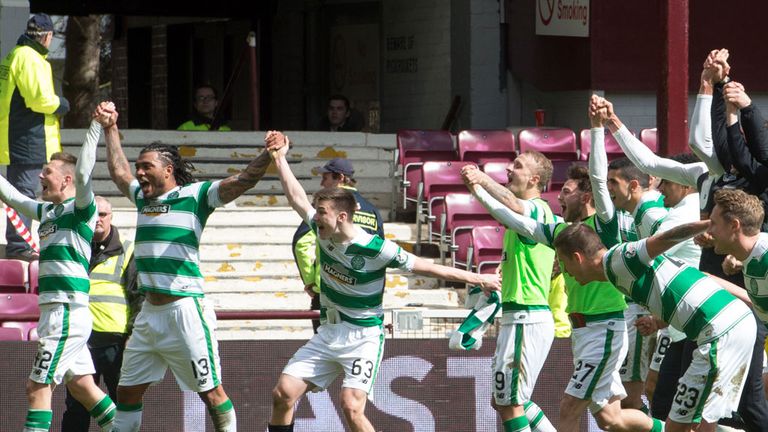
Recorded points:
(336, 173)
(29, 122)
(114, 303)
(205, 102)
(340, 117)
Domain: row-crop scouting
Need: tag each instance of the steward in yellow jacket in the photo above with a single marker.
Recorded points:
(29, 107)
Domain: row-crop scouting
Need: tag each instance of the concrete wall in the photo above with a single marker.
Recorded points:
(487, 85)
(416, 62)
(13, 20)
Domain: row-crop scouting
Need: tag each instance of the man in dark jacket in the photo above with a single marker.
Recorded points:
(29, 123)
(336, 173)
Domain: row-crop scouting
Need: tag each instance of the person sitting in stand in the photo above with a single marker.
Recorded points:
(204, 103)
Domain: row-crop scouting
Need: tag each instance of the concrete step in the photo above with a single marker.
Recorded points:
(243, 283)
(226, 235)
(270, 184)
(245, 153)
(254, 139)
(223, 217)
(253, 199)
(393, 298)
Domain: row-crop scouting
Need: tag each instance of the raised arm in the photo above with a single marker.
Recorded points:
(717, 112)
(119, 168)
(85, 164)
(700, 133)
(523, 225)
(297, 198)
(598, 164)
(20, 202)
(755, 172)
(647, 160)
(752, 121)
(473, 176)
(236, 185)
(659, 243)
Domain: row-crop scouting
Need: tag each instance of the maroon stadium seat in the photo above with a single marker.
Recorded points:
(612, 147)
(551, 198)
(462, 212)
(12, 276)
(649, 138)
(34, 271)
(19, 304)
(26, 328)
(483, 146)
(10, 334)
(438, 180)
(560, 173)
(555, 143)
(415, 147)
(497, 171)
(487, 245)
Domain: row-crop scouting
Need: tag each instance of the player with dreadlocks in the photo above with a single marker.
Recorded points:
(175, 327)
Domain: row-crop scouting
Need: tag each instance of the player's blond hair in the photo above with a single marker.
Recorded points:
(735, 204)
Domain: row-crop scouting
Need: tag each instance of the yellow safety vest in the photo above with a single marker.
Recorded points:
(108, 302)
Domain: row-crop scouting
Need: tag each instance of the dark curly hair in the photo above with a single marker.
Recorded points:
(169, 154)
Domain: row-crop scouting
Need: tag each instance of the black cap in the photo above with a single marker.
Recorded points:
(339, 166)
(40, 22)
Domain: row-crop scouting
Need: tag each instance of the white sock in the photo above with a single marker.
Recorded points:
(536, 418)
(223, 416)
(127, 418)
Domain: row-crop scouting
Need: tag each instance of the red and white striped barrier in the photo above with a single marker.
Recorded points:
(22, 229)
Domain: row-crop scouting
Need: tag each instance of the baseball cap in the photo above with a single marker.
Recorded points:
(339, 166)
(40, 22)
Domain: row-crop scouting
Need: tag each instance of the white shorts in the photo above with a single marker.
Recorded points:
(179, 335)
(711, 387)
(62, 350)
(340, 348)
(635, 365)
(521, 350)
(598, 349)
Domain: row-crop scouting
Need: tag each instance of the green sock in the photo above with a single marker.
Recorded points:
(517, 424)
(658, 426)
(38, 420)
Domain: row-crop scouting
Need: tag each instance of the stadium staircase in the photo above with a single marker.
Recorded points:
(246, 247)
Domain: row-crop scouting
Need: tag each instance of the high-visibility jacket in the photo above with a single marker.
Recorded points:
(29, 107)
(108, 298)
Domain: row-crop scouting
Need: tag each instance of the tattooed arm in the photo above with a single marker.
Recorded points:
(473, 176)
(236, 185)
(119, 168)
(660, 243)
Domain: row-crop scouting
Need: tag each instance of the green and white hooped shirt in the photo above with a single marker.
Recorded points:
(677, 293)
(168, 230)
(65, 250)
(352, 275)
(756, 277)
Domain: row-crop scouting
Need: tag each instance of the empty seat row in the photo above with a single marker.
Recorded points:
(18, 316)
(18, 276)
